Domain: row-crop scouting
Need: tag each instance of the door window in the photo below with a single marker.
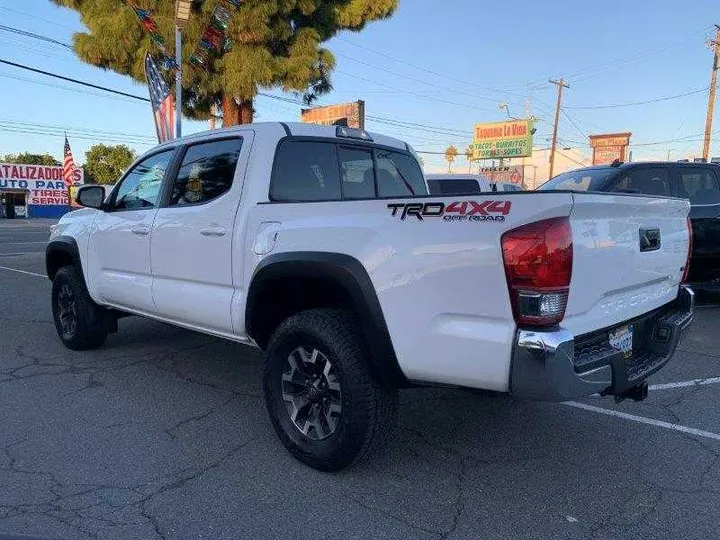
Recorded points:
(398, 175)
(140, 188)
(206, 172)
(646, 181)
(699, 185)
(305, 171)
(358, 176)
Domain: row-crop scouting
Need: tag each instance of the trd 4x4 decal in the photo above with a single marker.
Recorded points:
(455, 211)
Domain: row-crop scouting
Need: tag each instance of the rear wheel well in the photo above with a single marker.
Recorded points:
(288, 283)
(282, 297)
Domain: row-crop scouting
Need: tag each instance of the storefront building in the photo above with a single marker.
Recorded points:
(36, 191)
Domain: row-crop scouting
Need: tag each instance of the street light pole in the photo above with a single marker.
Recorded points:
(182, 16)
(178, 82)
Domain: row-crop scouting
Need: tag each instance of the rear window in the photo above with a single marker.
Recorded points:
(459, 186)
(699, 185)
(643, 180)
(326, 171)
(580, 180)
(358, 174)
(398, 175)
(306, 171)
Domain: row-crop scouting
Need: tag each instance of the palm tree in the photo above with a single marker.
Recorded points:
(468, 156)
(450, 154)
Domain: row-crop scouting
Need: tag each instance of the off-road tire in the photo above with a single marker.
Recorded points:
(369, 409)
(89, 330)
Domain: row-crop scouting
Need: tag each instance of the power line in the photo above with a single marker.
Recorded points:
(75, 135)
(588, 73)
(577, 128)
(439, 100)
(632, 104)
(270, 96)
(430, 71)
(572, 159)
(30, 15)
(13, 45)
(383, 120)
(78, 129)
(34, 36)
(66, 88)
(76, 81)
(413, 79)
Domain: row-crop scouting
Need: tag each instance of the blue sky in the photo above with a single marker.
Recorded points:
(442, 64)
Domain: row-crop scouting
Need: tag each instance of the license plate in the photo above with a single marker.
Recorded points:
(621, 339)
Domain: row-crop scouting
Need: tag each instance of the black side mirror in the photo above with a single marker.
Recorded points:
(91, 196)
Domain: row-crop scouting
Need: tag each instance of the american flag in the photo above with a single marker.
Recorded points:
(68, 164)
(163, 103)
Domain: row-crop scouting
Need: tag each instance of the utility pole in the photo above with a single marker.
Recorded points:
(715, 45)
(560, 85)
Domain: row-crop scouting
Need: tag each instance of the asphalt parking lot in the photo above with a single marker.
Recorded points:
(162, 433)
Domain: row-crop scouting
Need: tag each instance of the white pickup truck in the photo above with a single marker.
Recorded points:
(321, 246)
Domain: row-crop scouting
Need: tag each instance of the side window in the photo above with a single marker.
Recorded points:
(305, 171)
(645, 180)
(398, 175)
(699, 185)
(140, 189)
(206, 172)
(357, 173)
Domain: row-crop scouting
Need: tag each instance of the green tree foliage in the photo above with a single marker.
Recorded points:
(27, 158)
(451, 152)
(274, 43)
(105, 164)
(469, 156)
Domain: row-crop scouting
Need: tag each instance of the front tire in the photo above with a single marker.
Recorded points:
(324, 404)
(78, 320)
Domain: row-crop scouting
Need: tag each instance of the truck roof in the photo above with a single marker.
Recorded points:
(299, 129)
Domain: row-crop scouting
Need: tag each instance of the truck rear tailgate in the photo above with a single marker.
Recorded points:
(629, 253)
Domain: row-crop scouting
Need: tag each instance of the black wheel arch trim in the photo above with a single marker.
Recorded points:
(350, 274)
(65, 245)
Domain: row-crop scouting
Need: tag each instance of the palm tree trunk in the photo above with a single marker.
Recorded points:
(234, 113)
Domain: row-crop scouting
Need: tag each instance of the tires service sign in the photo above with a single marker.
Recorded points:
(503, 139)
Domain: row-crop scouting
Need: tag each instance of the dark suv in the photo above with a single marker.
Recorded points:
(699, 182)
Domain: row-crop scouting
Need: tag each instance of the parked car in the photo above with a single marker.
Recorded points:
(321, 246)
(457, 184)
(698, 182)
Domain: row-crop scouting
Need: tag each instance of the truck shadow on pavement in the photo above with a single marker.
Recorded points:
(165, 430)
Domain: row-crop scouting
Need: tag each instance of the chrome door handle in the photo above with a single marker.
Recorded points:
(213, 231)
(141, 230)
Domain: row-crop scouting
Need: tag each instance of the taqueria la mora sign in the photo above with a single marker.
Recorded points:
(503, 139)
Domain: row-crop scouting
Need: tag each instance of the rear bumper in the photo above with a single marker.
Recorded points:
(554, 365)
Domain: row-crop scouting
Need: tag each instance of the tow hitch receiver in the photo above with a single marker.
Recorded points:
(636, 393)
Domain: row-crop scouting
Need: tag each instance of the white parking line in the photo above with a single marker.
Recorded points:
(22, 272)
(683, 384)
(643, 420)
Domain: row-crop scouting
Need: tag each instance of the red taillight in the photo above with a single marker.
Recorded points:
(689, 253)
(538, 266)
